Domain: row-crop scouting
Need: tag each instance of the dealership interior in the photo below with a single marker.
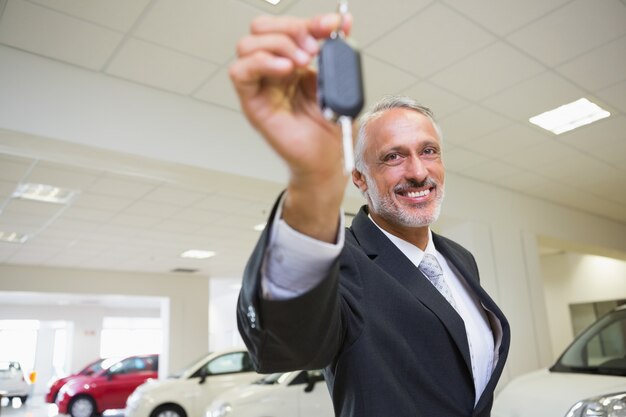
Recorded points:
(133, 190)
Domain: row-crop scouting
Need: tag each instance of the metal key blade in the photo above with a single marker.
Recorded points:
(348, 147)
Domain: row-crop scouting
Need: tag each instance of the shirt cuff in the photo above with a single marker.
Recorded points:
(295, 263)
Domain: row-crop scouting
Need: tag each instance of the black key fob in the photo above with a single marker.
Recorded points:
(339, 80)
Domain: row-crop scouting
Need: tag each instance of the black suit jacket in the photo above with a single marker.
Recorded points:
(389, 342)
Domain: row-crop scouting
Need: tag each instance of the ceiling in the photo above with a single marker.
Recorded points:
(483, 66)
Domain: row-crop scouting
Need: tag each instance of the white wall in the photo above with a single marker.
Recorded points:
(571, 278)
(187, 296)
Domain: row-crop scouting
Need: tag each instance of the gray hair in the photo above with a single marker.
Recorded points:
(384, 104)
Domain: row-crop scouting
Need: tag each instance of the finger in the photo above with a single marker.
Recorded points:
(246, 73)
(277, 44)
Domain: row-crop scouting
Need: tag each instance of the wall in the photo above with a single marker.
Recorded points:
(571, 278)
(185, 312)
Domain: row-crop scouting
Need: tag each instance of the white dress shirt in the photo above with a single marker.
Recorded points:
(295, 263)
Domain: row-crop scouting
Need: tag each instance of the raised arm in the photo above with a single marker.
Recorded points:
(277, 91)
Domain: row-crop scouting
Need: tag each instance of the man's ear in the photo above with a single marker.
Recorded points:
(358, 179)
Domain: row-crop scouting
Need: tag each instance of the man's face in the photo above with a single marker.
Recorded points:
(404, 179)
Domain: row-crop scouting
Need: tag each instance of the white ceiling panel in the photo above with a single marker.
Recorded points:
(159, 67)
(504, 16)
(484, 67)
(443, 47)
(56, 35)
(488, 71)
(441, 102)
(534, 96)
(219, 90)
(599, 68)
(572, 30)
(462, 127)
(207, 29)
(114, 14)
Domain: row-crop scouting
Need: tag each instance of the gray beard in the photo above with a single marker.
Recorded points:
(386, 208)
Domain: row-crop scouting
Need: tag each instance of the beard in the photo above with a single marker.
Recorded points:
(417, 215)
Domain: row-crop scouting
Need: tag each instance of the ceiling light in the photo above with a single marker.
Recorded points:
(13, 237)
(45, 193)
(259, 227)
(197, 254)
(570, 116)
(273, 2)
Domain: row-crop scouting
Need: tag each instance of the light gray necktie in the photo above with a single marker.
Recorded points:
(431, 268)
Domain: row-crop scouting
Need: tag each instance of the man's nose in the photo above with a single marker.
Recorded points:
(416, 169)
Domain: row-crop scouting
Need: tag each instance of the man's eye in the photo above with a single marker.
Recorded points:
(430, 152)
(392, 158)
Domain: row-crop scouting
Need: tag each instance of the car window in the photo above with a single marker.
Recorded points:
(230, 363)
(135, 364)
(599, 349)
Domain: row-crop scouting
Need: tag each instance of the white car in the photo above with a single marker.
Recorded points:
(13, 383)
(298, 393)
(589, 379)
(190, 393)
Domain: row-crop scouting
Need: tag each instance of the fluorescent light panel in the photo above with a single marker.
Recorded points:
(13, 237)
(197, 254)
(273, 2)
(45, 193)
(570, 116)
(259, 227)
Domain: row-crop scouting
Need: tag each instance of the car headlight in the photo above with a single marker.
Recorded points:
(612, 405)
(221, 410)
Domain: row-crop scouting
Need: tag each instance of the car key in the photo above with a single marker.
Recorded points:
(340, 85)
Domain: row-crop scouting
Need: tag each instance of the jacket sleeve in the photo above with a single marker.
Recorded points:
(298, 333)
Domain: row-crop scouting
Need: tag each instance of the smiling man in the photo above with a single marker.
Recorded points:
(393, 312)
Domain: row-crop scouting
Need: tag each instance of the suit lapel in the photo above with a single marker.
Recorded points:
(385, 254)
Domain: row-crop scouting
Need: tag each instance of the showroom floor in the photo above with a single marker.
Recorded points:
(34, 407)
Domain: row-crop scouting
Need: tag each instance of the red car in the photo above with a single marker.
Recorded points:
(88, 395)
(90, 369)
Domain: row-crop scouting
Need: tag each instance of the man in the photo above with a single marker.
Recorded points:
(394, 341)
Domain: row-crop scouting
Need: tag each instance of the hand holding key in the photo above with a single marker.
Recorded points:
(278, 94)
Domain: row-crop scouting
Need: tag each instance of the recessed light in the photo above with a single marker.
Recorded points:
(569, 116)
(44, 193)
(13, 237)
(259, 227)
(197, 254)
(273, 2)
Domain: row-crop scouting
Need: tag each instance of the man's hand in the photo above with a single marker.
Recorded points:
(278, 94)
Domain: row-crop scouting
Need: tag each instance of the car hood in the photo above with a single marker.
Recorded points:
(551, 394)
(156, 385)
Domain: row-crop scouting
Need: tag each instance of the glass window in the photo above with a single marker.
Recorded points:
(230, 363)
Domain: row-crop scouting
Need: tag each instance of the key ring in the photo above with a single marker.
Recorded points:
(342, 9)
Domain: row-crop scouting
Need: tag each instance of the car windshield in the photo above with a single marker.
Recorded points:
(600, 349)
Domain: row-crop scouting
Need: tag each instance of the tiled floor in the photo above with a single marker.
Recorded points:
(37, 407)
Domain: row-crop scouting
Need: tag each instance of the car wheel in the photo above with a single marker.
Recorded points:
(23, 399)
(168, 410)
(82, 406)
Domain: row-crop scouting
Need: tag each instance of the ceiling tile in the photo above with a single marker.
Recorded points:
(441, 102)
(88, 214)
(59, 175)
(443, 48)
(207, 29)
(114, 14)
(134, 220)
(470, 123)
(219, 90)
(491, 169)
(599, 68)
(523, 181)
(615, 95)
(160, 67)
(150, 209)
(174, 195)
(19, 205)
(14, 168)
(381, 79)
(534, 96)
(120, 187)
(510, 139)
(46, 32)
(596, 136)
(504, 16)
(371, 19)
(104, 202)
(487, 71)
(560, 36)
(6, 189)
